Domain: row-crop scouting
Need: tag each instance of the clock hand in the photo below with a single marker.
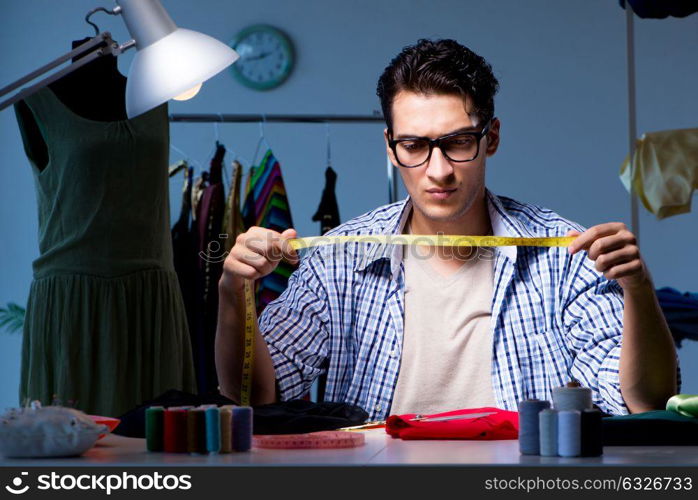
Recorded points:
(261, 56)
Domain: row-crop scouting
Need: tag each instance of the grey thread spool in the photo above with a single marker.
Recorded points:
(529, 429)
(547, 420)
(569, 442)
(572, 397)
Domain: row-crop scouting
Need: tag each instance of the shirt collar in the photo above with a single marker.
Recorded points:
(503, 224)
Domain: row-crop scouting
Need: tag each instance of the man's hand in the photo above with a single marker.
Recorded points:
(256, 253)
(614, 250)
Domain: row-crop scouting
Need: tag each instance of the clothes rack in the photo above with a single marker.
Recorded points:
(256, 118)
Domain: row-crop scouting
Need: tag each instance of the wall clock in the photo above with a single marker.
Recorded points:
(266, 57)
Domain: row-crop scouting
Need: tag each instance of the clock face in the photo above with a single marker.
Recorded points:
(266, 57)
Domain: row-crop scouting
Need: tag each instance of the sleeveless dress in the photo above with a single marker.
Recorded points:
(105, 325)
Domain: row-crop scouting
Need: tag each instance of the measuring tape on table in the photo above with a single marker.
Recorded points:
(443, 240)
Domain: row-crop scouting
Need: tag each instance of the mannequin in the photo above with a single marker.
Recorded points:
(104, 308)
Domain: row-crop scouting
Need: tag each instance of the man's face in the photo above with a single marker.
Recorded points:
(441, 190)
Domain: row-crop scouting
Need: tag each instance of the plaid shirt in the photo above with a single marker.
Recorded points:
(554, 317)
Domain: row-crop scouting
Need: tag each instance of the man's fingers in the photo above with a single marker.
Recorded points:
(289, 253)
(587, 238)
(608, 244)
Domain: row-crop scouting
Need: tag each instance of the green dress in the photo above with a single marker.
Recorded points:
(105, 326)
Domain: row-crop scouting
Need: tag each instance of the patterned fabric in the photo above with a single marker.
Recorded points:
(266, 205)
(554, 317)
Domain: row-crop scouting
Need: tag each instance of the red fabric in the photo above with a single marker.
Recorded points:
(501, 424)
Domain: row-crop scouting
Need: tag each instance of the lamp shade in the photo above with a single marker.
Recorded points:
(171, 66)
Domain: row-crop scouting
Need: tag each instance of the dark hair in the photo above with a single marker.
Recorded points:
(439, 67)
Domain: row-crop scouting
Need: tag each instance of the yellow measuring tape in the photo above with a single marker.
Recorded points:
(443, 240)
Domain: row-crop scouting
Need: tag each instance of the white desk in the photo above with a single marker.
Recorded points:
(380, 449)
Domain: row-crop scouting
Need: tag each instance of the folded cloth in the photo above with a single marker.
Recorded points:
(665, 172)
(650, 428)
(489, 424)
(685, 404)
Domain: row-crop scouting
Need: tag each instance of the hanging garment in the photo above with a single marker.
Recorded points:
(666, 171)
(105, 325)
(266, 205)
(328, 212)
(232, 219)
(681, 313)
(208, 269)
(183, 249)
(659, 9)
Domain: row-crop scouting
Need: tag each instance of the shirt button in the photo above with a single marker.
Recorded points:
(378, 407)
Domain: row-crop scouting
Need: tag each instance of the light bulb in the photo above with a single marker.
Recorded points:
(189, 93)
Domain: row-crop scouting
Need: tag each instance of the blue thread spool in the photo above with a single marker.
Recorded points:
(592, 433)
(241, 432)
(547, 420)
(154, 428)
(529, 428)
(572, 397)
(569, 443)
(213, 430)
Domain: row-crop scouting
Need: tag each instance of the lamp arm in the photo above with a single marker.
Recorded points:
(90, 48)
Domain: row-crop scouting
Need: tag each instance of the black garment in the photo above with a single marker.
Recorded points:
(328, 211)
(184, 252)
(659, 9)
(209, 247)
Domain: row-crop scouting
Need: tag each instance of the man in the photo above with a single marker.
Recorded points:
(408, 329)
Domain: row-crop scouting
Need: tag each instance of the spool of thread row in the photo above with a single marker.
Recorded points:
(154, 428)
(591, 433)
(529, 427)
(175, 430)
(241, 431)
(569, 433)
(572, 397)
(213, 430)
(547, 420)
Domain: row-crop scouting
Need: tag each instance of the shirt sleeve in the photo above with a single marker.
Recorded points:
(592, 316)
(295, 328)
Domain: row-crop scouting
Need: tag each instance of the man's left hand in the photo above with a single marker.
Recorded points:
(614, 250)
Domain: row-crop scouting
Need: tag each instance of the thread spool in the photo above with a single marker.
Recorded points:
(569, 433)
(547, 420)
(213, 430)
(591, 433)
(175, 430)
(529, 428)
(226, 417)
(572, 397)
(242, 428)
(154, 422)
(196, 431)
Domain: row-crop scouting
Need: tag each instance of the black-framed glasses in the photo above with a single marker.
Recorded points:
(459, 147)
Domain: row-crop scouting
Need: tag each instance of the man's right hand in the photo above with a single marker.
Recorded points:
(256, 253)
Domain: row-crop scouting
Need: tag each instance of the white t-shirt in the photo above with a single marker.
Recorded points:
(447, 344)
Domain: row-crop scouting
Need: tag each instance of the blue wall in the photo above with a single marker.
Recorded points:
(563, 107)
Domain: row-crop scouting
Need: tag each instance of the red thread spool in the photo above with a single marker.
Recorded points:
(175, 431)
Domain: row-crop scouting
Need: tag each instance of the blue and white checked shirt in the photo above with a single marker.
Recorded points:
(554, 317)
